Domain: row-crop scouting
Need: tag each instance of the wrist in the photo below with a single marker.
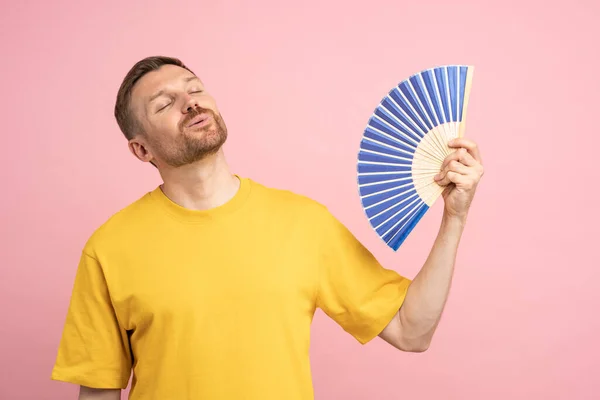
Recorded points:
(454, 220)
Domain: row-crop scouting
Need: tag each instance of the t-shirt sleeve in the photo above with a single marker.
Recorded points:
(94, 350)
(354, 289)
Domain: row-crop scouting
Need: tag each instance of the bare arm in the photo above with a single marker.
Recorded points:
(413, 326)
(86, 393)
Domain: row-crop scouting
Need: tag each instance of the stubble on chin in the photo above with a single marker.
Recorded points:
(197, 145)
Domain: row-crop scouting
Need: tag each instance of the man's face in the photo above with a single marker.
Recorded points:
(180, 120)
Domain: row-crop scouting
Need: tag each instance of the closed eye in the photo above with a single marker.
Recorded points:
(163, 107)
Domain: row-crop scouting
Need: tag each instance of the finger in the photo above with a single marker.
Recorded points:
(471, 147)
(453, 166)
(453, 177)
(466, 158)
(460, 155)
(449, 158)
(469, 161)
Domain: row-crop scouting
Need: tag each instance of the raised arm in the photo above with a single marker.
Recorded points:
(413, 327)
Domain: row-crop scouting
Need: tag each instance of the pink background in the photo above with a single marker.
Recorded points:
(296, 85)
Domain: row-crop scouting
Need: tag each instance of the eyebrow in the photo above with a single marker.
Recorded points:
(161, 92)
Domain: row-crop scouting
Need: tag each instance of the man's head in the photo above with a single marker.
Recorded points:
(167, 115)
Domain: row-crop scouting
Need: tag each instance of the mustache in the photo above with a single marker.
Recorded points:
(193, 114)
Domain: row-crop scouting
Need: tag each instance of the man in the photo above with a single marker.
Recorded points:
(206, 287)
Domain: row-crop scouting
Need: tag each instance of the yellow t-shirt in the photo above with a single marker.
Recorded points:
(218, 304)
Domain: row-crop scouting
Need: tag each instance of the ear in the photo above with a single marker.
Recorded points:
(140, 149)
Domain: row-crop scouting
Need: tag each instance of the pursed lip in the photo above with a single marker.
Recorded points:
(197, 120)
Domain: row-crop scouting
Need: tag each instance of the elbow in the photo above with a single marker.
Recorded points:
(417, 348)
(420, 348)
(419, 345)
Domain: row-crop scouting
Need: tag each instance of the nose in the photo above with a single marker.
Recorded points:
(190, 104)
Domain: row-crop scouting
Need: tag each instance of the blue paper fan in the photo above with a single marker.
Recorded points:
(404, 145)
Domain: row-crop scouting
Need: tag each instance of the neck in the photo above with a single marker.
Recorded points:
(203, 185)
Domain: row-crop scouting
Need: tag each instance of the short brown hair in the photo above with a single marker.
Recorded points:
(123, 113)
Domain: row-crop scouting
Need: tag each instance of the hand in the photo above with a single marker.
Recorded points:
(461, 172)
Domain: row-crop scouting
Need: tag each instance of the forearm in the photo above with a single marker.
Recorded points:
(427, 294)
(86, 393)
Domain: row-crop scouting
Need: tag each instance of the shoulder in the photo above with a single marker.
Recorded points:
(288, 201)
(121, 225)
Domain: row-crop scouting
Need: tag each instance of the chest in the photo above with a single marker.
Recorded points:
(204, 274)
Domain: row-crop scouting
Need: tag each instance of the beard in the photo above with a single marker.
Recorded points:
(194, 144)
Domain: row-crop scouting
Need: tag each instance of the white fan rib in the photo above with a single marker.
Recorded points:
(412, 88)
(393, 128)
(393, 138)
(439, 98)
(449, 98)
(412, 108)
(434, 152)
(384, 182)
(390, 207)
(446, 117)
(394, 215)
(457, 94)
(419, 130)
(416, 96)
(433, 149)
(386, 155)
(382, 163)
(431, 106)
(388, 146)
(383, 173)
(424, 168)
(410, 217)
(437, 123)
(366, 196)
